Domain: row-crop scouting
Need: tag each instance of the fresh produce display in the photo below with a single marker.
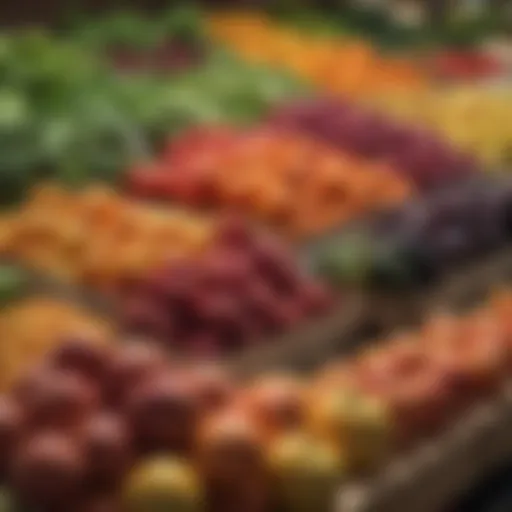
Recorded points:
(474, 118)
(422, 156)
(34, 326)
(244, 287)
(294, 184)
(341, 66)
(422, 241)
(186, 191)
(97, 237)
(125, 426)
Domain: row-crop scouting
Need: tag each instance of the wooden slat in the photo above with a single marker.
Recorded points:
(437, 472)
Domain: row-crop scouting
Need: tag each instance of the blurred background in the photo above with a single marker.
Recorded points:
(334, 171)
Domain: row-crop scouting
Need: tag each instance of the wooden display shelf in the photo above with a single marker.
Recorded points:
(428, 479)
(309, 345)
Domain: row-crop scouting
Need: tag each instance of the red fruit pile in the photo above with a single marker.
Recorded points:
(246, 287)
(297, 185)
(428, 378)
(466, 65)
(71, 430)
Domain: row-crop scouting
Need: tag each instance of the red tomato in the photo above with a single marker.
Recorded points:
(468, 64)
(196, 142)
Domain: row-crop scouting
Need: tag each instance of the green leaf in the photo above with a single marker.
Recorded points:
(14, 109)
(184, 23)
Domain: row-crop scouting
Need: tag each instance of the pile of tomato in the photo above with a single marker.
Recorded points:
(292, 183)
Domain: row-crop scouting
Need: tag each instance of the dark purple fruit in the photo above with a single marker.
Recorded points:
(225, 268)
(163, 412)
(130, 366)
(48, 470)
(59, 398)
(275, 265)
(420, 155)
(145, 316)
(11, 430)
(83, 356)
(203, 345)
(107, 440)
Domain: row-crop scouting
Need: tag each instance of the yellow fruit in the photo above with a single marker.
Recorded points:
(474, 118)
(306, 471)
(360, 424)
(163, 484)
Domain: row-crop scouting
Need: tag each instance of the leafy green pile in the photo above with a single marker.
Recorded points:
(223, 90)
(57, 115)
(65, 114)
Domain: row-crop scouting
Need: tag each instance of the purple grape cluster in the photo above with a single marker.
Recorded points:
(421, 241)
(426, 159)
(458, 223)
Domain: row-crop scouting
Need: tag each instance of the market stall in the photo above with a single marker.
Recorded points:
(253, 259)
